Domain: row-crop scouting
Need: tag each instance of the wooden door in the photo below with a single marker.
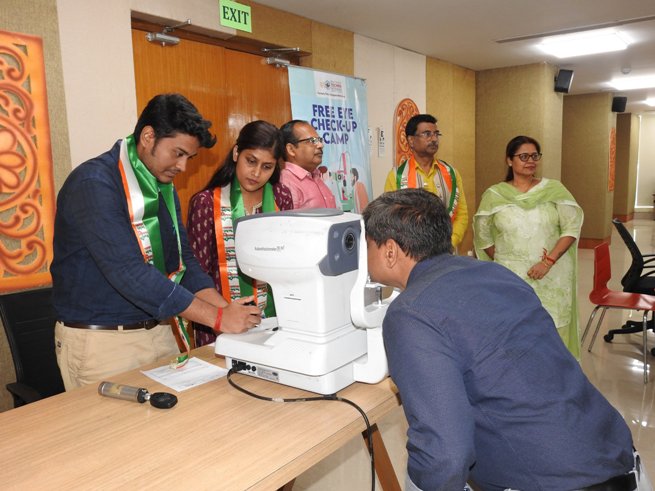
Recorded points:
(230, 88)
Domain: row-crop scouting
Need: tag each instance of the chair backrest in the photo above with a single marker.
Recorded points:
(29, 321)
(636, 268)
(602, 269)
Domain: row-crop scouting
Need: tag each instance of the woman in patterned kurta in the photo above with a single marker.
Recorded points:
(531, 226)
(247, 183)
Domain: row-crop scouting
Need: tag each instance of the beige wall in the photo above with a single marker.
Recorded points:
(332, 50)
(516, 101)
(451, 98)
(646, 184)
(96, 51)
(278, 27)
(587, 122)
(385, 69)
(627, 146)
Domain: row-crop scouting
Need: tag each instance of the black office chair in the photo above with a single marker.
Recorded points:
(640, 278)
(29, 321)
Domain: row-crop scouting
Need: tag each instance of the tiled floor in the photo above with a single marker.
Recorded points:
(616, 368)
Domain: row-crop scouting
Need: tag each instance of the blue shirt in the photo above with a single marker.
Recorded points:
(489, 389)
(99, 275)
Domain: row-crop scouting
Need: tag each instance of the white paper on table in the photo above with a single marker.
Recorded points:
(195, 372)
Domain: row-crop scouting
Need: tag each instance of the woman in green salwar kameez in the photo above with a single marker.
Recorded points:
(532, 227)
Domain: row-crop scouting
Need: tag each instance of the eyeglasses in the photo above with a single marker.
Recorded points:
(523, 157)
(314, 140)
(428, 135)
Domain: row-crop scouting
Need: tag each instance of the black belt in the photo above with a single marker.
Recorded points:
(149, 324)
(624, 482)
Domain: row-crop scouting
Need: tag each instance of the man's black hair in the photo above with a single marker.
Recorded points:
(414, 121)
(170, 114)
(415, 219)
(288, 134)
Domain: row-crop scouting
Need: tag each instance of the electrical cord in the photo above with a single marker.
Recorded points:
(331, 397)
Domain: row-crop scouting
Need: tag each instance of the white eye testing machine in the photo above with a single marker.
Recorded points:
(328, 329)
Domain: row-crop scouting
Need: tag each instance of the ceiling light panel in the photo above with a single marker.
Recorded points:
(632, 83)
(584, 43)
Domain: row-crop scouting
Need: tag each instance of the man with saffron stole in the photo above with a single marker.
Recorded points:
(123, 272)
(424, 171)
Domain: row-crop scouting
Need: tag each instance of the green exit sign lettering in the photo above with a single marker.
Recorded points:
(235, 15)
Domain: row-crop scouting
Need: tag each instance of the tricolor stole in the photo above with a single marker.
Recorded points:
(142, 192)
(228, 205)
(444, 180)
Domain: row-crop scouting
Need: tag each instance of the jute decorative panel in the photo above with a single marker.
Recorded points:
(26, 183)
(404, 111)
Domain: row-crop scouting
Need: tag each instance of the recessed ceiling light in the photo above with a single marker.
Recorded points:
(584, 43)
(650, 101)
(632, 83)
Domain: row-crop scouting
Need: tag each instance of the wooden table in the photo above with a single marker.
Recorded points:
(214, 438)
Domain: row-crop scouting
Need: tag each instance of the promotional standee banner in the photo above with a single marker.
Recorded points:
(336, 106)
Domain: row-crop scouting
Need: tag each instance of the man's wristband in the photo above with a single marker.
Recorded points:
(217, 322)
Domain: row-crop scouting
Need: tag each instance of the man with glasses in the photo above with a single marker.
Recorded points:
(490, 392)
(424, 170)
(303, 153)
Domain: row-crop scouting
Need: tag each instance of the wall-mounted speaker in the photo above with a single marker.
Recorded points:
(563, 80)
(618, 104)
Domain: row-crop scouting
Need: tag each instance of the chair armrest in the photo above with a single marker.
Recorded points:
(23, 393)
(648, 261)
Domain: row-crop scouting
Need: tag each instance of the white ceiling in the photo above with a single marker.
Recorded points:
(466, 33)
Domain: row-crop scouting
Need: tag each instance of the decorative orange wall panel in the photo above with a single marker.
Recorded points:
(27, 205)
(404, 110)
(611, 174)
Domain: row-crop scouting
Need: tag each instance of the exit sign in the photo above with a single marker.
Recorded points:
(235, 15)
